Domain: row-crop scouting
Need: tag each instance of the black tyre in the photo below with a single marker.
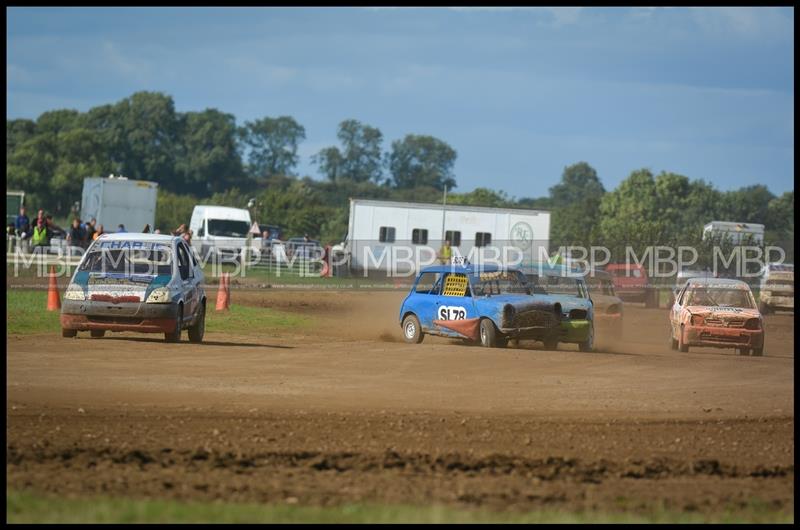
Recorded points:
(69, 333)
(412, 331)
(588, 344)
(551, 344)
(97, 333)
(488, 334)
(758, 352)
(197, 331)
(682, 347)
(744, 351)
(501, 342)
(175, 336)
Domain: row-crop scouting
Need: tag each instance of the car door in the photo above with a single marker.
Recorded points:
(675, 312)
(454, 301)
(422, 300)
(186, 272)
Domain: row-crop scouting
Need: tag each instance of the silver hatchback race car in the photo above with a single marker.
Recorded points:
(136, 282)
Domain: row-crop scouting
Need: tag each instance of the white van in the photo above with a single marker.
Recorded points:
(220, 231)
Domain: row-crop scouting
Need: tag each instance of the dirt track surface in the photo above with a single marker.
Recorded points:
(345, 411)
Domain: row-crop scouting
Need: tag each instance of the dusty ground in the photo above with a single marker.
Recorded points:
(346, 411)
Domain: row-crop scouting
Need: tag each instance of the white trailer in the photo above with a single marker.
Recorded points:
(737, 232)
(403, 236)
(115, 201)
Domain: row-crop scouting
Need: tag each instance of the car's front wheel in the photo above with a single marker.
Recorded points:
(175, 335)
(412, 332)
(588, 344)
(682, 346)
(69, 333)
(197, 331)
(97, 333)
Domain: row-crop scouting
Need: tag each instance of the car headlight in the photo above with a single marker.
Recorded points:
(74, 292)
(159, 295)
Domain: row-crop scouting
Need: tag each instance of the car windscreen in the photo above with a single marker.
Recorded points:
(567, 285)
(600, 285)
(156, 260)
(720, 297)
(500, 282)
(228, 228)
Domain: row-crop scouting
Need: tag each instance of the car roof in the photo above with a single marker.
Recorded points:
(137, 236)
(615, 266)
(717, 283)
(549, 268)
(465, 269)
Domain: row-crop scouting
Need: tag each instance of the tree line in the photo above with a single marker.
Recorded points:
(205, 157)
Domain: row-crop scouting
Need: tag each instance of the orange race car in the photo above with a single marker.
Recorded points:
(719, 313)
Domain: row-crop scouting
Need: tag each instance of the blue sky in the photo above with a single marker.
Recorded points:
(519, 93)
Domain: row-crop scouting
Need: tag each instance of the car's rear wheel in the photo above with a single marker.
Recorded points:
(588, 344)
(488, 334)
(69, 333)
(97, 333)
(744, 351)
(175, 335)
(551, 344)
(412, 332)
(682, 346)
(197, 331)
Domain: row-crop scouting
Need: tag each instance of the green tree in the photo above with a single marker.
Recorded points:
(272, 144)
(480, 197)
(209, 161)
(417, 161)
(576, 206)
(360, 157)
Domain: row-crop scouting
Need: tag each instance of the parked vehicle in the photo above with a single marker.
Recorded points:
(136, 282)
(303, 248)
(220, 232)
(489, 305)
(719, 313)
(631, 283)
(776, 290)
(569, 288)
(275, 231)
(608, 307)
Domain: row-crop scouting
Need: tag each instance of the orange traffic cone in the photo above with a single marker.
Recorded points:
(53, 299)
(222, 295)
(228, 290)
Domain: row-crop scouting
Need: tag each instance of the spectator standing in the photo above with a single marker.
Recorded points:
(22, 224)
(157, 231)
(445, 253)
(91, 229)
(146, 229)
(187, 236)
(53, 229)
(39, 237)
(121, 229)
(76, 235)
(99, 232)
(181, 230)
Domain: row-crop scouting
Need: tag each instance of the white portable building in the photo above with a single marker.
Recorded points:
(119, 201)
(404, 236)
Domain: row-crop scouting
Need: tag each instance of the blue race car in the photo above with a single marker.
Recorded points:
(486, 304)
(569, 287)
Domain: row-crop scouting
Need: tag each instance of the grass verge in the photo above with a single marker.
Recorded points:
(29, 507)
(27, 314)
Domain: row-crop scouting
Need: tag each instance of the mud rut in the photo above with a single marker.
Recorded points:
(346, 412)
